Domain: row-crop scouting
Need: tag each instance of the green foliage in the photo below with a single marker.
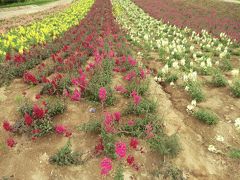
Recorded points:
(234, 153)
(109, 144)
(195, 90)
(101, 78)
(119, 173)
(146, 106)
(138, 129)
(141, 88)
(235, 88)
(62, 84)
(65, 156)
(226, 65)
(44, 125)
(165, 145)
(218, 79)
(168, 172)
(171, 78)
(25, 106)
(236, 51)
(206, 116)
(55, 107)
(93, 126)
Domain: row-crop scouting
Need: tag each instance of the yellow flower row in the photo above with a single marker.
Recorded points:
(22, 37)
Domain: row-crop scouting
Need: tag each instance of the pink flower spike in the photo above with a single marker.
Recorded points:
(60, 129)
(76, 96)
(121, 89)
(134, 143)
(108, 123)
(131, 61)
(106, 166)
(38, 113)
(134, 93)
(142, 73)
(38, 96)
(137, 100)
(10, 142)
(80, 71)
(65, 93)
(121, 149)
(102, 94)
(117, 116)
(28, 119)
(130, 160)
(131, 123)
(7, 126)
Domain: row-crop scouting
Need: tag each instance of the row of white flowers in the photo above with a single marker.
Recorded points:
(181, 48)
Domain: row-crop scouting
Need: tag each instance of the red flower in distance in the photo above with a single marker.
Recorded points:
(134, 143)
(60, 129)
(28, 119)
(38, 113)
(130, 160)
(102, 94)
(10, 142)
(7, 126)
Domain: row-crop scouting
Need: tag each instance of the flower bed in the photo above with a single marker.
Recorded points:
(22, 38)
(198, 15)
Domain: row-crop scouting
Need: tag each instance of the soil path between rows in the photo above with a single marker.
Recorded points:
(7, 13)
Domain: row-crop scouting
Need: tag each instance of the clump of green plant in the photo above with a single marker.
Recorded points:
(108, 143)
(93, 126)
(101, 78)
(140, 87)
(61, 84)
(25, 106)
(138, 129)
(206, 116)
(65, 156)
(234, 153)
(218, 79)
(165, 145)
(45, 126)
(3, 147)
(146, 106)
(171, 78)
(235, 88)
(236, 51)
(226, 65)
(168, 171)
(119, 173)
(55, 107)
(195, 90)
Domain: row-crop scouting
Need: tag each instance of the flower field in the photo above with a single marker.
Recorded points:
(104, 90)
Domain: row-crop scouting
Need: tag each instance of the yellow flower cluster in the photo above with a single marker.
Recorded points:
(23, 37)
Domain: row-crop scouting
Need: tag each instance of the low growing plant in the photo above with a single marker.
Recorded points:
(206, 116)
(93, 126)
(218, 79)
(146, 106)
(165, 145)
(65, 156)
(234, 153)
(195, 90)
(235, 88)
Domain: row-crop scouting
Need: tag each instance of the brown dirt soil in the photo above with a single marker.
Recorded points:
(195, 160)
(29, 159)
(24, 20)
